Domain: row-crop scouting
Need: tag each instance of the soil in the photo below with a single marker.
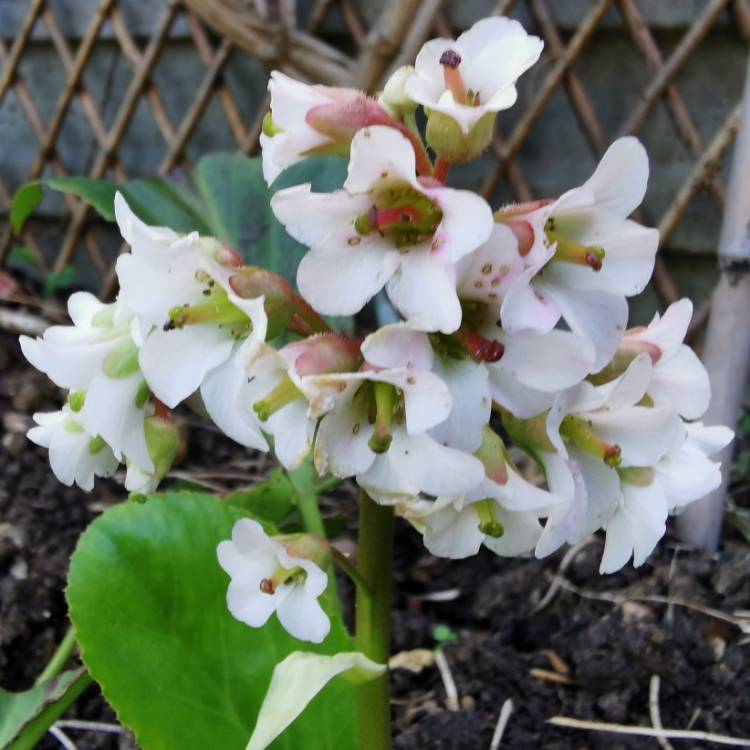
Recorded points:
(579, 653)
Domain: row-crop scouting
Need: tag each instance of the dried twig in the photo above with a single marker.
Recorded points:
(565, 563)
(451, 692)
(90, 726)
(743, 623)
(187, 476)
(653, 709)
(545, 675)
(502, 722)
(18, 321)
(62, 738)
(448, 595)
(674, 734)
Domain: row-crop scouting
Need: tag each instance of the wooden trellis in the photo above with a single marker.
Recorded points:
(275, 40)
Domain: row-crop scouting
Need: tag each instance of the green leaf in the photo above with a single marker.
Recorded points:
(162, 203)
(22, 255)
(148, 600)
(100, 194)
(54, 282)
(297, 680)
(444, 634)
(25, 717)
(237, 200)
(271, 501)
(25, 200)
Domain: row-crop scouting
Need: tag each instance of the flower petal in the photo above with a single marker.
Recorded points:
(467, 222)
(176, 362)
(619, 182)
(110, 410)
(341, 445)
(598, 316)
(548, 361)
(635, 528)
(644, 434)
(681, 382)
(452, 533)
(521, 532)
(302, 616)
(399, 345)
(472, 404)
(380, 153)
(417, 463)
(342, 283)
(221, 390)
(423, 290)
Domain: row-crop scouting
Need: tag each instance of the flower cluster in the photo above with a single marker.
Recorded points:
(513, 329)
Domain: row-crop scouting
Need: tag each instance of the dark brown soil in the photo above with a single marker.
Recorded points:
(610, 650)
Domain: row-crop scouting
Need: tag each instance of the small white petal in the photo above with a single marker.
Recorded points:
(597, 316)
(619, 182)
(423, 290)
(176, 362)
(302, 616)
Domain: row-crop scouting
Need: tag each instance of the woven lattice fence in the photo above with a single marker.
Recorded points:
(367, 46)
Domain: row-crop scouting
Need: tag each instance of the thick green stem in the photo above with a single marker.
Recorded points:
(373, 621)
(59, 658)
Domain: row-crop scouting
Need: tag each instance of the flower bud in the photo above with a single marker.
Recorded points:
(284, 308)
(340, 120)
(164, 442)
(394, 97)
(449, 142)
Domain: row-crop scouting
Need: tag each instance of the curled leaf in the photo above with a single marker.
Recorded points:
(296, 681)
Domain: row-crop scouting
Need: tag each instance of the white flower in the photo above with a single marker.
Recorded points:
(533, 366)
(601, 443)
(404, 346)
(683, 475)
(280, 395)
(74, 454)
(266, 578)
(306, 120)
(686, 473)
(502, 511)
(679, 379)
(379, 428)
(98, 355)
(197, 331)
(384, 228)
(475, 74)
(583, 256)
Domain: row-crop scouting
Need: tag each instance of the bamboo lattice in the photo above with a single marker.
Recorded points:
(222, 29)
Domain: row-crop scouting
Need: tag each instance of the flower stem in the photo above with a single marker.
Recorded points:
(442, 167)
(59, 658)
(373, 620)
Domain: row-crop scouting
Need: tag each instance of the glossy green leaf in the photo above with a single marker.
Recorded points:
(100, 194)
(272, 501)
(25, 717)
(147, 598)
(25, 201)
(162, 203)
(237, 202)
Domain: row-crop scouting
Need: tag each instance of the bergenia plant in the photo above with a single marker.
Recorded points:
(512, 333)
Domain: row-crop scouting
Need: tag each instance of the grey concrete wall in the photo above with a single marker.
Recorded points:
(554, 158)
